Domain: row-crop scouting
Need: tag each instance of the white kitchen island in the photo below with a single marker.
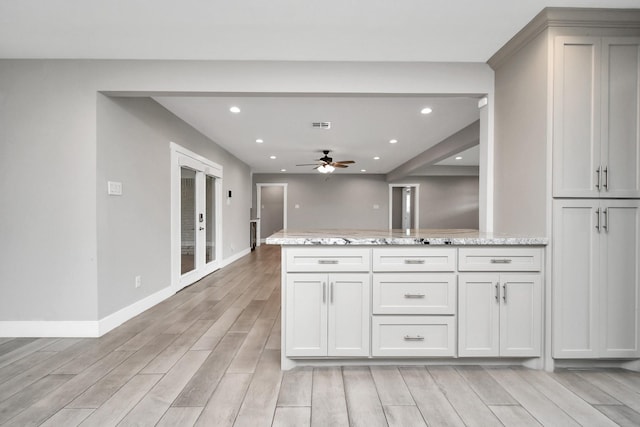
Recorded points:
(417, 296)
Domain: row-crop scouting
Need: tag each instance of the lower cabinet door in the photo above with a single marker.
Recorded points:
(521, 315)
(349, 313)
(306, 315)
(478, 315)
(413, 336)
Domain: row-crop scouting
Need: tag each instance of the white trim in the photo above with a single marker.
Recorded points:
(417, 216)
(259, 186)
(181, 156)
(93, 328)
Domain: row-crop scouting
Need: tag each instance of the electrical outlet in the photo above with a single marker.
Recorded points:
(138, 281)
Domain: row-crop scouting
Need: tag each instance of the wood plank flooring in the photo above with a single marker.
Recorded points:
(210, 356)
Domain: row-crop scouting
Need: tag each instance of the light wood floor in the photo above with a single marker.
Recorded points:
(210, 356)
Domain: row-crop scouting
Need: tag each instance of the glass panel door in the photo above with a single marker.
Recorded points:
(197, 243)
(210, 218)
(187, 220)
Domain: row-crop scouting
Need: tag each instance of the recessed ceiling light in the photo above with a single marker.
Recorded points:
(272, 157)
(234, 109)
(393, 141)
(459, 158)
(376, 158)
(426, 110)
(363, 170)
(259, 141)
(283, 170)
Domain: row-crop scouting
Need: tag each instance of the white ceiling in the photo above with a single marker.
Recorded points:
(328, 30)
(361, 128)
(331, 30)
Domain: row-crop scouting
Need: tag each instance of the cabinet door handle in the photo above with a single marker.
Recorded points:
(414, 261)
(504, 292)
(606, 178)
(414, 295)
(324, 292)
(605, 223)
(327, 261)
(598, 178)
(497, 291)
(331, 293)
(598, 219)
(413, 338)
(500, 261)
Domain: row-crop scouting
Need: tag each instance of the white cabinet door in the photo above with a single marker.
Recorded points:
(349, 314)
(478, 315)
(576, 268)
(306, 315)
(576, 117)
(620, 279)
(520, 315)
(621, 117)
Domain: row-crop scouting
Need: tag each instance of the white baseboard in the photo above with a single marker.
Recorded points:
(92, 328)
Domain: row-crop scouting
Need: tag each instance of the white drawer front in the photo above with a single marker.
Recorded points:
(414, 293)
(328, 259)
(413, 336)
(500, 259)
(414, 259)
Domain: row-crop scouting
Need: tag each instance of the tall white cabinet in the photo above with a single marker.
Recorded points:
(596, 300)
(567, 158)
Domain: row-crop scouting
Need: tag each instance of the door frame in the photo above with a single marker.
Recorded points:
(417, 203)
(258, 205)
(178, 280)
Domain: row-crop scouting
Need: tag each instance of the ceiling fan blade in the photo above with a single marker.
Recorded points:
(309, 164)
(338, 165)
(345, 162)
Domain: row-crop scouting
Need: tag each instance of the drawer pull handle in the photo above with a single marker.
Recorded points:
(414, 261)
(327, 261)
(500, 261)
(414, 295)
(416, 338)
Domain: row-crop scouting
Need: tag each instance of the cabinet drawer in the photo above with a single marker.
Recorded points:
(499, 259)
(413, 336)
(328, 259)
(414, 259)
(414, 293)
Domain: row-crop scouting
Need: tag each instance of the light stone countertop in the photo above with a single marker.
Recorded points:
(400, 237)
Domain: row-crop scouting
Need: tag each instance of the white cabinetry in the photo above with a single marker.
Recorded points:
(414, 302)
(327, 314)
(596, 297)
(499, 313)
(596, 126)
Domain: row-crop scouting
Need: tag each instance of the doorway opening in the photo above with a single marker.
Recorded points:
(271, 209)
(196, 213)
(404, 207)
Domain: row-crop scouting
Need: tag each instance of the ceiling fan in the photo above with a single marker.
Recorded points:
(325, 164)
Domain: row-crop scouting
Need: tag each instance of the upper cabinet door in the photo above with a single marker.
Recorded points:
(576, 117)
(620, 117)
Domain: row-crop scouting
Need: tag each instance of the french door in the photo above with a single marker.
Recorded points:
(196, 217)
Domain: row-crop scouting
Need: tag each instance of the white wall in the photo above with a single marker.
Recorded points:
(48, 155)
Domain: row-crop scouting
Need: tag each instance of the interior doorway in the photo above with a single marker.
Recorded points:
(271, 209)
(196, 216)
(404, 207)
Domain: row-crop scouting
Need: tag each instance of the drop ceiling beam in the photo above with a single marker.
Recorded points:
(454, 144)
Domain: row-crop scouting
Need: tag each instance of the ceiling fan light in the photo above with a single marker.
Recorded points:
(326, 169)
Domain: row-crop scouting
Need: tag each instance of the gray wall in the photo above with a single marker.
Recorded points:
(49, 156)
(134, 230)
(520, 146)
(347, 200)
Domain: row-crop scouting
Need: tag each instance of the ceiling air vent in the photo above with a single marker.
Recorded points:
(321, 125)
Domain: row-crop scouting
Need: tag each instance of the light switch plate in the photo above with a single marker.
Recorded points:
(114, 188)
